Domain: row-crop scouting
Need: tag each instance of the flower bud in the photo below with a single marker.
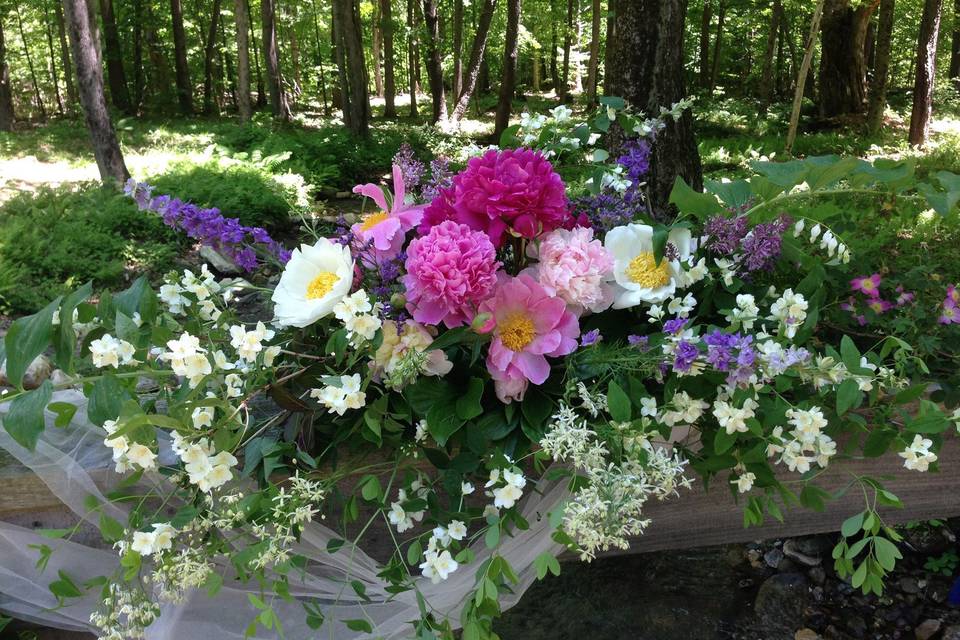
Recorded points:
(479, 321)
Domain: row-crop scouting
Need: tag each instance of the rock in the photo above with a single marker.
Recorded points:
(909, 585)
(773, 558)
(938, 592)
(792, 549)
(817, 575)
(218, 261)
(38, 371)
(781, 601)
(927, 629)
(755, 558)
(857, 626)
(59, 378)
(952, 633)
(806, 634)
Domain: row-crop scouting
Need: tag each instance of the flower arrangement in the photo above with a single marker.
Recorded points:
(447, 360)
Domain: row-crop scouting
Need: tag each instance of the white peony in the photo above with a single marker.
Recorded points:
(315, 279)
(638, 276)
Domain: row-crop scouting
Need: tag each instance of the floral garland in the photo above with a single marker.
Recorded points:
(499, 326)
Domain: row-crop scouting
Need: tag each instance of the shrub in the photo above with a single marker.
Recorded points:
(57, 239)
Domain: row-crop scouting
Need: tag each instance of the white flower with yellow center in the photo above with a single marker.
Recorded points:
(315, 279)
(637, 274)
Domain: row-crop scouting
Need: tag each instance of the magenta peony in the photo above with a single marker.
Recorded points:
(514, 190)
(450, 271)
(527, 325)
(575, 267)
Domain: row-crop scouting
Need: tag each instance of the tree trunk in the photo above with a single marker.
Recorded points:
(33, 73)
(209, 51)
(138, 81)
(476, 60)
(954, 73)
(870, 45)
(766, 74)
(843, 68)
(321, 79)
(554, 67)
(802, 75)
(376, 46)
(926, 72)
(6, 94)
(117, 77)
(261, 92)
(510, 50)
(412, 62)
(567, 33)
(242, 19)
(717, 43)
(594, 66)
(294, 51)
(271, 58)
(65, 57)
(83, 40)
(705, 19)
(434, 62)
(354, 76)
(389, 74)
(227, 61)
(184, 87)
(457, 49)
(645, 67)
(54, 75)
(881, 71)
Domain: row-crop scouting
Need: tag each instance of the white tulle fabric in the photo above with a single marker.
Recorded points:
(68, 459)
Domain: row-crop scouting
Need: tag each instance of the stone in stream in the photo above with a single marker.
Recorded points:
(781, 602)
(38, 371)
(793, 550)
(218, 261)
(927, 629)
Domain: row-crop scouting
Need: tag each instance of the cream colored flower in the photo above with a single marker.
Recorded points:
(315, 279)
(636, 272)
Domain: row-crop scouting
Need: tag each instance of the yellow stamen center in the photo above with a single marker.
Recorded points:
(645, 271)
(371, 220)
(321, 285)
(517, 331)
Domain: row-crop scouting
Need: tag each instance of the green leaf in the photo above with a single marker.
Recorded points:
(492, 537)
(65, 412)
(849, 396)
(442, 421)
(536, 408)
(619, 402)
(734, 194)
(65, 338)
(468, 404)
(414, 552)
(24, 421)
(851, 356)
(851, 526)
(111, 529)
(371, 490)
(723, 441)
(358, 625)
(106, 400)
(65, 587)
(687, 200)
(26, 339)
(660, 236)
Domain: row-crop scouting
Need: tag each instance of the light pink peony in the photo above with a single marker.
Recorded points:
(576, 267)
(450, 271)
(513, 190)
(527, 325)
(386, 229)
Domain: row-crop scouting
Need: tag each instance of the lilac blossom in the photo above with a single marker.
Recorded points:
(441, 177)
(590, 337)
(724, 234)
(605, 210)
(761, 248)
(410, 167)
(674, 326)
(635, 159)
(684, 356)
(641, 342)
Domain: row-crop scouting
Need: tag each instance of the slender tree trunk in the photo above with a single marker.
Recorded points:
(138, 80)
(184, 86)
(412, 62)
(434, 62)
(271, 58)
(717, 44)
(159, 64)
(65, 57)
(843, 69)
(295, 50)
(208, 59)
(802, 75)
(389, 71)
(117, 77)
(354, 74)
(33, 74)
(457, 48)
(341, 98)
(645, 66)
(594, 66)
(321, 79)
(6, 94)
(242, 18)
(766, 74)
(228, 63)
(704, 59)
(376, 47)
(255, 47)
(954, 71)
(507, 82)
(870, 45)
(926, 72)
(83, 40)
(54, 75)
(567, 34)
(881, 71)
(476, 60)
(554, 67)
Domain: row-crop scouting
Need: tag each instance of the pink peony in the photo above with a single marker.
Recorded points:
(576, 267)
(450, 271)
(513, 190)
(528, 325)
(385, 230)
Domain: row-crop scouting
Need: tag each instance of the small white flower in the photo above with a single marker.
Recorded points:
(648, 407)
(457, 530)
(506, 496)
(438, 567)
(466, 488)
(744, 481)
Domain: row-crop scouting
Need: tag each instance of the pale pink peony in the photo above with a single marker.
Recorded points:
(384, 231)
(528, 325)
(450, 271)
(576, 267)
(513, 190)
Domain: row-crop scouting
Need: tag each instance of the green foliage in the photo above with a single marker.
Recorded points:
(945, 564)
(57, 239)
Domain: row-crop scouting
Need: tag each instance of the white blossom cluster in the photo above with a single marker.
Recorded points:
(358, 316)
(107, 351)
(124, 613)
(789, 311)
(205, 468)
(203, 289)
(806, 444)
(838, 251)
(401, 518)
(438, 562)
(126, 454)
(338, 398)
(918, 457)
